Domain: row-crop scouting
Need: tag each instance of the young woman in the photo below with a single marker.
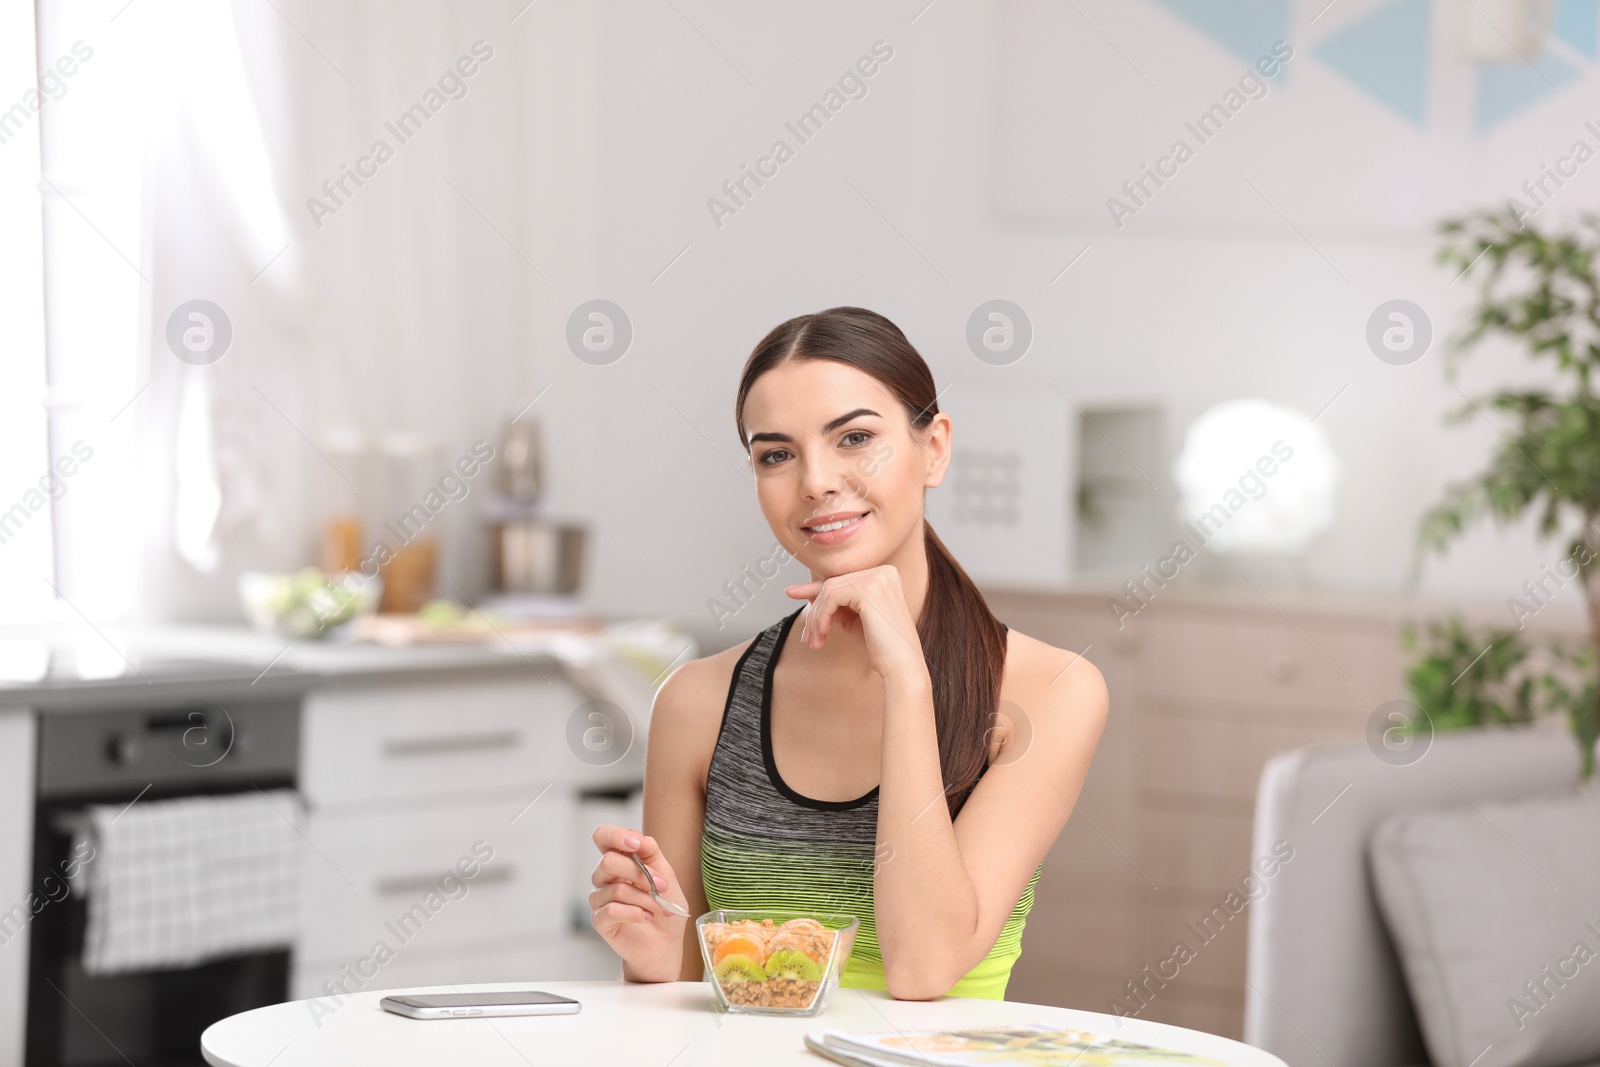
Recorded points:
(899, 755)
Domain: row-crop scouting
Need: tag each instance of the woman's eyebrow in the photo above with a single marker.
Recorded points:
(834, 425)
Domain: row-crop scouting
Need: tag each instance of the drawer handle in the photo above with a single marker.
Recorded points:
(432, 746)
(421, 883)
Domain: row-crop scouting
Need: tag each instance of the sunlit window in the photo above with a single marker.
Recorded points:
(26, 520)
(91, 58)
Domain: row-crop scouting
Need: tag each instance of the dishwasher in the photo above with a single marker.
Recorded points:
(119, 756)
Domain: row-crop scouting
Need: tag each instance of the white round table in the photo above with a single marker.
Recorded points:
(624, 1024)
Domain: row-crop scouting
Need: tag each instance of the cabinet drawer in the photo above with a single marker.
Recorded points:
(433, 739)
(531, 960)
(1273, 662)
(1205, 852)
(1071, 921)
(1200, 1008)
(1213, 935)
(393, 876)
(1222, 759)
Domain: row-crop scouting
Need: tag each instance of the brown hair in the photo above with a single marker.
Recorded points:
(963, 642)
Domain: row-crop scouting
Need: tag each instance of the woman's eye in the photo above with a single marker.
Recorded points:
(862, 434)
(766, 457)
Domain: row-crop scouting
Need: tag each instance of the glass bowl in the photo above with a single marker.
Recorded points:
(764, 962)
(309, 604)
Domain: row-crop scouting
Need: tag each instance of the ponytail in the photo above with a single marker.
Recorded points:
(965, 647)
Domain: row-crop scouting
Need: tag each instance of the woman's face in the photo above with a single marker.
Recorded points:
(829, 444)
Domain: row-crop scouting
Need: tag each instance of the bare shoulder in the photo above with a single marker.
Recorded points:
(687, 688)
(1039, 675)
(686, 715)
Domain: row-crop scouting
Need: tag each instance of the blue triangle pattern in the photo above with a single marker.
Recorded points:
(1577, 22)
(1386, 55)
(1504, 91)
(1247, 28)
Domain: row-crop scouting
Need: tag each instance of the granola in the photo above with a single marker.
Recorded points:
(761, 963)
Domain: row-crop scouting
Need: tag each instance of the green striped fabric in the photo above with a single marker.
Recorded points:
(764, 846)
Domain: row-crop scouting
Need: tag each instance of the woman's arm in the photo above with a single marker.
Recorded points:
(947, 889)
(684, 721)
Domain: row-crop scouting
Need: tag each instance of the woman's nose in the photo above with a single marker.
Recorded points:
(827, 481)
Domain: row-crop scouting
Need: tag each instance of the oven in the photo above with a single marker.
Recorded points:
(119, 756)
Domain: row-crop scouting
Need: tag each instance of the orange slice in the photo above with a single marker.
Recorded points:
(743, 945)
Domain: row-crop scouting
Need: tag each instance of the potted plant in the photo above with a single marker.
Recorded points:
(1462, 677)
(1542, 291)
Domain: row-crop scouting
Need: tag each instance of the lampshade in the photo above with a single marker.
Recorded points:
(1255, 476)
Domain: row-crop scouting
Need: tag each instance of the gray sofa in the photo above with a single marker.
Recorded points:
(1324, 987)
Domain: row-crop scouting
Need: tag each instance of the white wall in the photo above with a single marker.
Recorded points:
(593, 140)
(1178, 315)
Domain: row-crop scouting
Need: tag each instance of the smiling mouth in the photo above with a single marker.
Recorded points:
(841, 524)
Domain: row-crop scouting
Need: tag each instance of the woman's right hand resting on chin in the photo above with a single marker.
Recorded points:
(649, 939)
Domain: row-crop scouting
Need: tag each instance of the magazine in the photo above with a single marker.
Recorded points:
(1035, 1044)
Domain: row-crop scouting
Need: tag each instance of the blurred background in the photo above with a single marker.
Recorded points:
(372, 366)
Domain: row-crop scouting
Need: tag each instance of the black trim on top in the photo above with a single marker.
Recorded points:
(766, 737)
(727, 705)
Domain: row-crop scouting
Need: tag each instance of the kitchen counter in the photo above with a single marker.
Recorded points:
(55, 669)
(406, 757)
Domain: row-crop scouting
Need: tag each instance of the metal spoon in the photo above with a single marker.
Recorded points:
(672, 907)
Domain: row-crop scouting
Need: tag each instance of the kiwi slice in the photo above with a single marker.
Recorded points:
(792, 963)
(736, 968)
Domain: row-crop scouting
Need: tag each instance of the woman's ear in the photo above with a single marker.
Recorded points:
(937, 448)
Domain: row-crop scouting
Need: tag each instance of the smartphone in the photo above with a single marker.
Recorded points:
(478, 1005)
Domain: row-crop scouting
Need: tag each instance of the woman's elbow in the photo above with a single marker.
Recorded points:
(916, 984)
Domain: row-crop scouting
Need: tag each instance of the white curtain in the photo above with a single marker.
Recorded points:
(406, 309)
(190, 154)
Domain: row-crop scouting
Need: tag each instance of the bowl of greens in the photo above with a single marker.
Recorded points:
(308, 604)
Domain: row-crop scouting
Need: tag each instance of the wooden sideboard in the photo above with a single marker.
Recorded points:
(1206, 684)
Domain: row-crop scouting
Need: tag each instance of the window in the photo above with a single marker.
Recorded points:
(26, 520)
(96, 284)
(75, 285)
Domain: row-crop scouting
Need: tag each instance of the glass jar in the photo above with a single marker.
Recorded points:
(407, 502)
(340, 501)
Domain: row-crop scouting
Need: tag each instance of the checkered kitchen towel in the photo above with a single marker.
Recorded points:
(177, 882)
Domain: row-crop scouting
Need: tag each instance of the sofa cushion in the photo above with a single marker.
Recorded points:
(1494, 908)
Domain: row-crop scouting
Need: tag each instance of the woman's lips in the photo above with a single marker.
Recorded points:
(833, 537)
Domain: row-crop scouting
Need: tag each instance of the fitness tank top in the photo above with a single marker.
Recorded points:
(766, 846)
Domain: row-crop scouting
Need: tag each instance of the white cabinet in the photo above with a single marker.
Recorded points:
(436, 875)
(428, 739)
(518, 959)
(443, 833)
